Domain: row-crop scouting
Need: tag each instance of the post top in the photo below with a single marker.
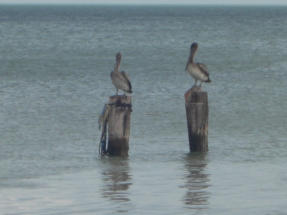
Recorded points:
(195, 95)
(120, 100)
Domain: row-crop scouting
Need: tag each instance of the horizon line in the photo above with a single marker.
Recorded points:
(142, 4)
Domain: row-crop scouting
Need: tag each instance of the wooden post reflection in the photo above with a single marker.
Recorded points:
(117, 179)
(197, 181)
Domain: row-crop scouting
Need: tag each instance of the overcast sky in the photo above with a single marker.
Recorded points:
(260, 2)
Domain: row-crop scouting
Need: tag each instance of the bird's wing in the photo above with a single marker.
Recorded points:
(126, 78)
(203, 68)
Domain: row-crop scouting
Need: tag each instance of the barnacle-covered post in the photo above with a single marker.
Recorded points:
(196, 105)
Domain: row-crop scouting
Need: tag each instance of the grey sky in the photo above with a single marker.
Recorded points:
(260, 2)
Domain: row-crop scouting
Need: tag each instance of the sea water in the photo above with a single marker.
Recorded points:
(55, 79)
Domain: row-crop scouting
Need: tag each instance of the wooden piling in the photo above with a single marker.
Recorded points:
(196, 105)
(119, 125)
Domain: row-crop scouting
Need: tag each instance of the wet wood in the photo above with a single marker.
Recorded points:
(119, 125)
(196, 105)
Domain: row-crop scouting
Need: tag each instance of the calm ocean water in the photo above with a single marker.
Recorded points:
(55, 79)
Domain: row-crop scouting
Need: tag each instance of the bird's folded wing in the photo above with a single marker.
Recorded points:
(126, 78)
(203, 68)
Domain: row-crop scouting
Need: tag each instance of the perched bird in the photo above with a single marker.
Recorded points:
(120, 79)
(197, 70)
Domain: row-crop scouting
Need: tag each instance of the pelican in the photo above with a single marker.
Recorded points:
(197, 70)
(120, 79)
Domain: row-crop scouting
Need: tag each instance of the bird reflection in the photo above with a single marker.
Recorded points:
(117, 179)
(197, 181)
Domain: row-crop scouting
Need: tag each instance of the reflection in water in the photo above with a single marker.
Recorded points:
(117, 181)
(197, 181)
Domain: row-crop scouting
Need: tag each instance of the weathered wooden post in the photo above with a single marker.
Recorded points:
(196, 105)
(119, 125)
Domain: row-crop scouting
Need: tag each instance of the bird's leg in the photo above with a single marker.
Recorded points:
(117, 91)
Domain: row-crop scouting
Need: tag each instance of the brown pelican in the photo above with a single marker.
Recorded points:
(197, 70)
(120, 79)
